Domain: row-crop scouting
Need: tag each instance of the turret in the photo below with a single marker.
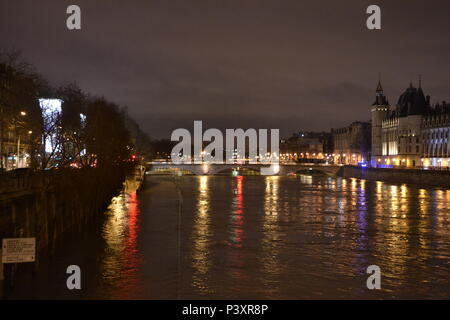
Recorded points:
(380, 110)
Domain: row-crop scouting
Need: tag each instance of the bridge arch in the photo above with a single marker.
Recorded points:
(211, 169)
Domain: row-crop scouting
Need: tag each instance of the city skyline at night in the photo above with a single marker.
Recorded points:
(225, 159)
(286, 65)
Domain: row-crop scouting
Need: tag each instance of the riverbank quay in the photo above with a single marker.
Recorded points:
(135, 179)
(46, 204)
(434, 178)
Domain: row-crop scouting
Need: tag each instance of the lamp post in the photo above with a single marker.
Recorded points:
(202, 156)
(22, 114)
(18, 151)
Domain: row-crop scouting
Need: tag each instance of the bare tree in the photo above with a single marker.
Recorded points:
(73, 122)
(19, 111)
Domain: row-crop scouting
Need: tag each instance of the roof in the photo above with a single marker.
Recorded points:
(380, 98)
(411, 102)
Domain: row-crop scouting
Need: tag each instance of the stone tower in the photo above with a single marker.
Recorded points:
(380, 109)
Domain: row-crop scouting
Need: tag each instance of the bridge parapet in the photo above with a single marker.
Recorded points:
(211, 169)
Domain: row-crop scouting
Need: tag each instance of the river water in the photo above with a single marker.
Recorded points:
(257, 237)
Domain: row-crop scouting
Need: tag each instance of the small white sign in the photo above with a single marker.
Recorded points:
(15, 250)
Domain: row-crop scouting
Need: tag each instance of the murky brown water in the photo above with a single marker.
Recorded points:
(259, 237)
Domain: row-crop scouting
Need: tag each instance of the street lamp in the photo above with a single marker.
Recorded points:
(202, 156)
(23, 114)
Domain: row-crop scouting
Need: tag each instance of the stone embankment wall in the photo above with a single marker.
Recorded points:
(435, 178)
(46, 203)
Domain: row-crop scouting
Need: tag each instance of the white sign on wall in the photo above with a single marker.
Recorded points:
(15, 250)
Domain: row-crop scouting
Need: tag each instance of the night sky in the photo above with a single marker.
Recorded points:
(294, 65)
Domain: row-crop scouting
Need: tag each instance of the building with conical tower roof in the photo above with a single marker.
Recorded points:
(379, 111)
(412, 135)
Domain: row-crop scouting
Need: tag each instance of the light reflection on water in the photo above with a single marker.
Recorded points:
(287, 237)
(271, 237)
(201, 262)
(121, 259)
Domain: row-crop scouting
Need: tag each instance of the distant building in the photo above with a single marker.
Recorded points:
(305, 146)
(352, 143)
(15, 143)
(414, 134)
(436, 136)
(18, 142)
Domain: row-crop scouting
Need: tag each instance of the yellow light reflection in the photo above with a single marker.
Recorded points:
(122, 256)
(201, 261)
(271, 232)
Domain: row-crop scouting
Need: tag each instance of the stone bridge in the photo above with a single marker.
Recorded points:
(211, 169)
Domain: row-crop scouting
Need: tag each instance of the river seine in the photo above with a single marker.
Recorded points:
(257, 237)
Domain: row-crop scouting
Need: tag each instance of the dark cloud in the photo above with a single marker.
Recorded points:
(288, 64)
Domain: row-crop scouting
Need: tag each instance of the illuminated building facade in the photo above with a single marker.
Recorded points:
(51, 111)
(306, 145)
(16, 136)
(15, 141)
(352, 143)
(15, 147)
(435, 137)
(413, 135)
